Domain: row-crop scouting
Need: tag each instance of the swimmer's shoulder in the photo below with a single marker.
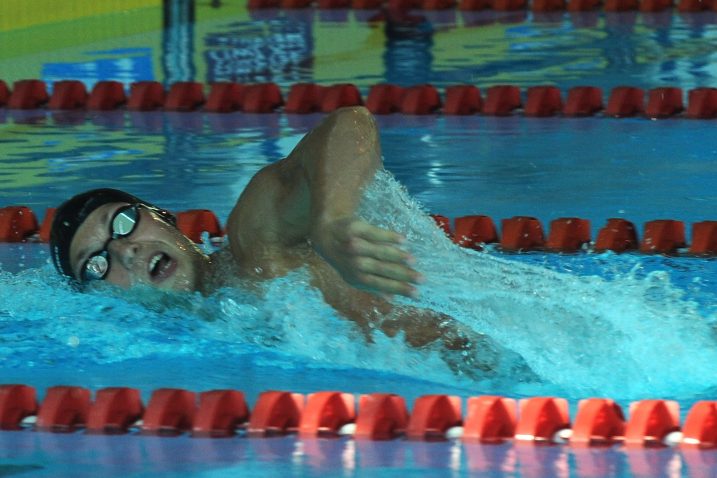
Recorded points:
(268, 216)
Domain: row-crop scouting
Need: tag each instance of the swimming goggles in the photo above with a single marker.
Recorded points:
(123, 223)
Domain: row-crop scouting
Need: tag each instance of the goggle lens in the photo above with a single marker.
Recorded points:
(122, 225)
(97, 267)
(124, 222)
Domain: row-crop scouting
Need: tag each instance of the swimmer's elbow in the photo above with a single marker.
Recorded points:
(356, 121)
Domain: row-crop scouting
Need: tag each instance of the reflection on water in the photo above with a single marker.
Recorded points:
(595, 168)
(225, 42)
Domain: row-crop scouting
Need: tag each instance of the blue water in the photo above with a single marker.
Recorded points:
(624, 326)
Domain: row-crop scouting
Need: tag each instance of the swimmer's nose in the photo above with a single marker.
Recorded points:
(124, 250)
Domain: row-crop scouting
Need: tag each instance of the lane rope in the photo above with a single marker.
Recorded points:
(306, 98)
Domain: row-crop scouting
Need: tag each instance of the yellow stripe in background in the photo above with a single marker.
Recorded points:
(18, 14)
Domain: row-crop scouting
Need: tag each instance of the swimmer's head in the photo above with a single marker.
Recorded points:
(107, 235)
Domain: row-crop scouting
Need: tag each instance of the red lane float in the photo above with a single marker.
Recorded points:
(568, 234)
(443, 222)
(276, 413)
(366, 4)
(17, 223)
(339, 96)
(115, 409)
(28, 94)
(583, 101)
(403, 5)
(261, 98)
(704, 238)
(68, 95)
(304, 98)
(326, 412)
(220, 413)
(194, 222)
(502, 100)
(663, 236)
(420, 100)
(618, 235)
(509, 5)
(625, 101)
(292, 4)
(472, 231)
(432, 416)
(333, 4)
(598, 422)
(4, 93)
(702, 103)
(462, 100)
(490, 419)
(224, 97)
(543, 101)
(256, 4)
(664, 102)
(145, 96)
(542, 6)
(700, 427)
(64, 409)
(381, 416)
(106, 95)
(475, 5)
(170, 411)
(16, 403)
(655, 5)
(541, 418)
(521, 233)
(650, 422)
(695, 5)
(583, 5)
(438, 4)
(184, 96)
(384, 99)
(44, 233)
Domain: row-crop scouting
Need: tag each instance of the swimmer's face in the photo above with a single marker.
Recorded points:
(155, 253)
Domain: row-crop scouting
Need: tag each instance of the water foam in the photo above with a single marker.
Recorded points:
(627, 336)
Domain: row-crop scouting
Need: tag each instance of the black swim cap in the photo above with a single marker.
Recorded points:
(73, 212)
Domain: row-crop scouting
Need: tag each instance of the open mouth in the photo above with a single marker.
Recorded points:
(161, 266)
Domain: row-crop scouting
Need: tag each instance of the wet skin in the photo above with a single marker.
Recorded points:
(155, 254)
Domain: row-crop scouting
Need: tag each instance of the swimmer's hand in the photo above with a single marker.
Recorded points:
(367, 257)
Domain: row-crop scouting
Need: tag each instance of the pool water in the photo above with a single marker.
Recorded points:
(624, 326)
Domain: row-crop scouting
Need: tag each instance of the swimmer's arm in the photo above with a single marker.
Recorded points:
(313, 195)
(338, 159)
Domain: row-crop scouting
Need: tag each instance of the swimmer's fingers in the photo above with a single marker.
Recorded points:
(387, 270)
(370, 258)
(384, 285)
(380, 251)
(372, 233)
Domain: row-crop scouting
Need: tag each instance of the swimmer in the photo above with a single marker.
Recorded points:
(297, 212)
